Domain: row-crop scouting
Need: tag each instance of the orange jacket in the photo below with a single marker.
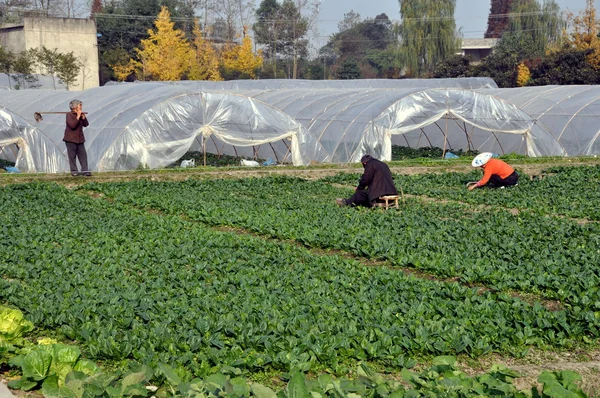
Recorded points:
(494, 167)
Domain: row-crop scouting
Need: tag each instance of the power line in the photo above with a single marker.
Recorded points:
(367, 21)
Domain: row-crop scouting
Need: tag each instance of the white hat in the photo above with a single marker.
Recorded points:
(481, 159)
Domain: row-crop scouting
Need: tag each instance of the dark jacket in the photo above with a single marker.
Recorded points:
(378, 178)
(74, 129)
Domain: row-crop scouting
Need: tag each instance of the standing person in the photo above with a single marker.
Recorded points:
(495, 172)
(375, 182)
(74, 139)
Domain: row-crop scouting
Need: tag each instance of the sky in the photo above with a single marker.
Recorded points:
(470, 15)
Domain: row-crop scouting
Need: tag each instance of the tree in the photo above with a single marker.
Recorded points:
(123, 71)
(523, 75)
(349, 70)
(166, 55)
(68, 68)
(235, 14)
(427, 34)
(23, 68)
(498, 18)
(6, 62)
(49, 59)
(96, 7)
(119, 32)
(351, 20)
(294, 28)
(266, 30)
(281, 30)
(584, 35)
(453, 66)
(542, 23)
(239, 61)
(569, 66)
(501, 64)
(373, 42)
(206, 65)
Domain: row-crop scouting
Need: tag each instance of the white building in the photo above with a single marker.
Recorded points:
(66, 35)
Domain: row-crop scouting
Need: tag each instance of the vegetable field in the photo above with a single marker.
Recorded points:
(267, 273)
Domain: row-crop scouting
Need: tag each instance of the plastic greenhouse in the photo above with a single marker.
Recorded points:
(570, 113)
(153, 125)
(299, 122)
(22, 144)
(278, 84)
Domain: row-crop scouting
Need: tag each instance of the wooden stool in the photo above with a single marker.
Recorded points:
(387, 199)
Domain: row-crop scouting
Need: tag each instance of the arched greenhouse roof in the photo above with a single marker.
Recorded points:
(277, 84)
(153, 125)
(352, 122)
(26, 146)
(571, 113)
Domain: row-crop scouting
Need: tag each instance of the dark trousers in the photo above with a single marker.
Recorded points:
(360, 198)
(511, 180)
(77, 151)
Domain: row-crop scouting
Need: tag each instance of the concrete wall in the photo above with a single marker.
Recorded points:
(13, 39)
(64, 35)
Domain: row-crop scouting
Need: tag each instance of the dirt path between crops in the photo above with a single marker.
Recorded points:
(310, 172)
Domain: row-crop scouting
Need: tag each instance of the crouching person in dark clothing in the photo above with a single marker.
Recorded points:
(375, 182)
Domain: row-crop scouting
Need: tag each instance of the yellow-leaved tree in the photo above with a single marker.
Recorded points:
(123, 71)
(523, 75)
(206, 65)
(166, 55)
(241, 60)
(584, 33)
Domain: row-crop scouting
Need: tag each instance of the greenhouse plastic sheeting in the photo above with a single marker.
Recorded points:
(571, 113)
(458, 119)
(27, 147)
(153, 125)
(278, 84)
(352, 122)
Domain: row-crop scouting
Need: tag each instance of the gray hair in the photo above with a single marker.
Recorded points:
(73, 104)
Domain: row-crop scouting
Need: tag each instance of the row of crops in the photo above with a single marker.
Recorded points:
(134, 271)
(553, 257)
(128, 284)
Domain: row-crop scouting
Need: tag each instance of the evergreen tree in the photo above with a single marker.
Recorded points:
(349, 70)
(281, 29)
(266, 30)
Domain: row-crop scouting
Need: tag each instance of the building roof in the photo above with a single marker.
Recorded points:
(478, 43)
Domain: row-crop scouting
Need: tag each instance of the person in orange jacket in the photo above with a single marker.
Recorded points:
(496, 173)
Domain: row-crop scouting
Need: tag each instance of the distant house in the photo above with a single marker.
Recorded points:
(75, 35)
(477, 49)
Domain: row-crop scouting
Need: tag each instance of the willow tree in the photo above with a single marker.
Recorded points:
(428, 34)
(540, 24)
